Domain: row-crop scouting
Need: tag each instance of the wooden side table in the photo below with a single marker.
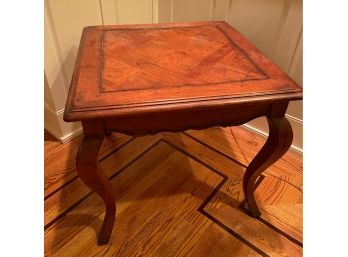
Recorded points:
(144, 79)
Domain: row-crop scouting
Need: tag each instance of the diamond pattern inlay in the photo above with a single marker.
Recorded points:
(166, 57)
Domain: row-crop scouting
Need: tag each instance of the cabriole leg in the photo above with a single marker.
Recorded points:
(278, 142)
(92, 175)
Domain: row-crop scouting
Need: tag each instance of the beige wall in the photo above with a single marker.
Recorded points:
(274, 26)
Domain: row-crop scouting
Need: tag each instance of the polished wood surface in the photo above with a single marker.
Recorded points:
(136, 69)
(146, 79)
(91, 174)
(178, 194)
(278, 142)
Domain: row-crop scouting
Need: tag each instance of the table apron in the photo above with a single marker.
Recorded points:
(152, 123)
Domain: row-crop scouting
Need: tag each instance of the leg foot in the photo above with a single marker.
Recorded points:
(92, 175)
(278, 142)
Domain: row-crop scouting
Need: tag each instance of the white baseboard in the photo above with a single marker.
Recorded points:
(265, 134)
(70, 136)
(63, 139)
(67, 137)
(57, 127)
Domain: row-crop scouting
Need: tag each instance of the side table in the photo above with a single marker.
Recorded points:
(144, 79)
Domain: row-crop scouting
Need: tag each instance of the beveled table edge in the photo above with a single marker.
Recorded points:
(210, 103)
(71, 113)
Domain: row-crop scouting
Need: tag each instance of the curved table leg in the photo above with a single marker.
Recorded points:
(278, 142)
(92, 175)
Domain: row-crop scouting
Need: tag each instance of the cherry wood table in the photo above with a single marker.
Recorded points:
(144, 79)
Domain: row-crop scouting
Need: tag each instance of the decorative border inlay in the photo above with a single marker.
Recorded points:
(184, 100)
(72, 108)
(201, 208)
(101, 66)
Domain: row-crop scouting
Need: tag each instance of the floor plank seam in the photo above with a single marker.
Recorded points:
(295, 241)
(235, 161)
(202, 206)
(271, 226)
(233, 233)
(76, 176)
(61, 215)
(60, 188)
(212, 194)
(258, 182)
(56, 219)
(215, 150)
(194, 158)
(298, 188)
(242, 209)
(116, 149)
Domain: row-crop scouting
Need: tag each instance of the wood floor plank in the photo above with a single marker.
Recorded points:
(271, 191)
(181, 203)
(89, 213)
(228, 246)
(225, 208)
(252, 253)
(198, 186)
(256, 233)
(275, 191)
(217, 242)
(175, 237)
(179, 198)
(251, 143)
(280, 206)
(220, 141)
(195, 237)
(60, 161)
(205, 154)
(208, 240)
(241, 144)
(50, 143)
(76, 190)
(203, 182)
(286, 217)
(174, 187)
(104, 251)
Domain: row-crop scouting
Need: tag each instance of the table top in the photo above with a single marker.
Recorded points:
(131, 69)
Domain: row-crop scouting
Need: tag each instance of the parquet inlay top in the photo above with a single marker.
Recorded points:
(129, 68)
(204, 54)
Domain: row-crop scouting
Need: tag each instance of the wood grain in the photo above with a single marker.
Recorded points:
(230, 142)
(277, 144)
(146, 79)
(91, 173)
(160, 189)
(60, 202)
(61, 170)
(138, 69)
(203, 55)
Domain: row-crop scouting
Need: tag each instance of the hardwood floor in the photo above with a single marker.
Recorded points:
(177, 194)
